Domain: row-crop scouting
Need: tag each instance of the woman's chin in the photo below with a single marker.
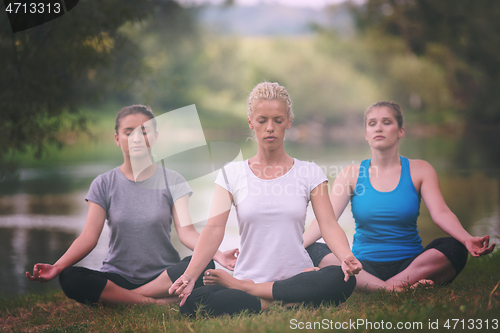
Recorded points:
(140, 158)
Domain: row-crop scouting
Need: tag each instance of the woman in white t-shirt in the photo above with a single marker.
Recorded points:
(270, 192)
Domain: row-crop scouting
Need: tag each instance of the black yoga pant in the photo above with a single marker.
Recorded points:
(86, 285)
(219, 300)
(454, 251)
(315, 287)
(325, 285)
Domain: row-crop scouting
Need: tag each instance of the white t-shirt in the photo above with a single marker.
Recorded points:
(271, 217)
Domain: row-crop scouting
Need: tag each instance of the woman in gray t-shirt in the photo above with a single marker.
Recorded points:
(138, 200)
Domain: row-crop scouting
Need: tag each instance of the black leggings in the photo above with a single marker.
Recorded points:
(454, 251)
(315, 287)
(86, 285)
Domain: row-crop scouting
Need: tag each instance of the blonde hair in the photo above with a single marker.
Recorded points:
(269, 91)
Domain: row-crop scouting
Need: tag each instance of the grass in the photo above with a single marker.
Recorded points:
(468, 301)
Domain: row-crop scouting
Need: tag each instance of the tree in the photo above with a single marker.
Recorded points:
(469, 29)
(51, 70)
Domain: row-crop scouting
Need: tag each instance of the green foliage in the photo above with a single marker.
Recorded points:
(52, 70)
(460, 36)
(421, 54)
(416, 83)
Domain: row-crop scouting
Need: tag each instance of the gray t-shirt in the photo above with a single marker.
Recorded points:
(139, 216)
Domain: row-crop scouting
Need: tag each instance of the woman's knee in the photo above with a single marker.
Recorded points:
(338, 290)
(451, 249)
(79, 284)
(325, 285)
(219, 300)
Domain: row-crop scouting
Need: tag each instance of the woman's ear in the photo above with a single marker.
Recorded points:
(250, 123)
(289, 123)
(401, 132)
(116, 140)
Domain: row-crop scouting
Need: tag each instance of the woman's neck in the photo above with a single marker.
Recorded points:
(272, 157)
(137, 170)
(385, 158)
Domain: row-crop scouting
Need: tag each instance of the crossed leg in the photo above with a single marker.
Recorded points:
(222, 278)
(113, 294)
(430, 267)
(311, 286)
(158, 288)
(224, 294)
(88, 286)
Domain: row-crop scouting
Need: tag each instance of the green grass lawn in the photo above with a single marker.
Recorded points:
(470, 304)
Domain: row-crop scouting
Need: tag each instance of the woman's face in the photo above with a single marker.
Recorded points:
(270, 121)
(136, 135)
(381, 130)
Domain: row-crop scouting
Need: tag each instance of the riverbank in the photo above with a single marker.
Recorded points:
(471, 302)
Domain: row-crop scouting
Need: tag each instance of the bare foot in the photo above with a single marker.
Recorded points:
(223, 278)
(266, 303)
(426, 283)
(167, 300)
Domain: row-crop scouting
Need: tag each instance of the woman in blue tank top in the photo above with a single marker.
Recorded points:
(385, 193)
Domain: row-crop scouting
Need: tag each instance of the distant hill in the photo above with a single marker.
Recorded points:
(263, 20)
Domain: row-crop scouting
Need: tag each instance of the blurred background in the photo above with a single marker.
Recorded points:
(63, 82)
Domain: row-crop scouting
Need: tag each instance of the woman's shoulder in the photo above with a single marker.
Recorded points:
(235, 164)
(102, 186)
(232, 172)
(351, 172)
(420, 166)
(171, 174)
(304, 163)
(421, 171)
(234, 167)
(309, 169)
(107, 177)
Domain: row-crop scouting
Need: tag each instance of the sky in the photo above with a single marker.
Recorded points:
(316, 4)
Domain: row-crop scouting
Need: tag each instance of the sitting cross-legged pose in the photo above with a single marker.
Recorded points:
(139, 200)
(385, 193)
(270, 192)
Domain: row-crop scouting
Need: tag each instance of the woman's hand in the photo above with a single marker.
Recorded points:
(479, 246)
(43, 273)
(227, 258)
(182, 287)
(350, 266)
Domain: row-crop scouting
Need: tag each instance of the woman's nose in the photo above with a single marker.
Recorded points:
(137, 136)
(270, 126)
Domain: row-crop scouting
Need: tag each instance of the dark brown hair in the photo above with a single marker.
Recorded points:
(134, 109)
(398, 114)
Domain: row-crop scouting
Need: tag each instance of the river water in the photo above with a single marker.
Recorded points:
(44, 211)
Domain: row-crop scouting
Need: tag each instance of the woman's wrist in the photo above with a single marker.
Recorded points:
(58, 267)
(217, 256)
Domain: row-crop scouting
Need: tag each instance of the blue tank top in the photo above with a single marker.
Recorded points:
(386, 222)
